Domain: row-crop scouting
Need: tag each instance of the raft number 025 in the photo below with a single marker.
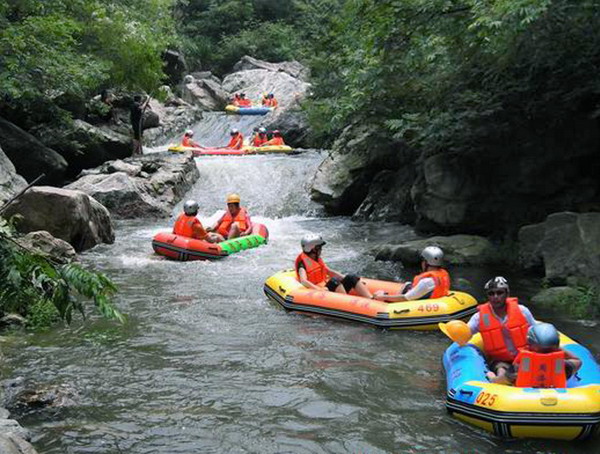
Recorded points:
(486, 399)
(429, 307)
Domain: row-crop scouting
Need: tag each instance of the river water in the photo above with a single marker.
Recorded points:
(206, 363)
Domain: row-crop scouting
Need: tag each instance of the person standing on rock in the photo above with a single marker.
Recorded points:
(432, 282)
(237, 140)
(188, 225)
(312, 272)
(137, 122)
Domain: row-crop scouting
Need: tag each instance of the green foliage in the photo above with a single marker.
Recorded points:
(49, 47)
(31, 283)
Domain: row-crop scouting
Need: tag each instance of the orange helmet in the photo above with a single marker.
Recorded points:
(233, 198)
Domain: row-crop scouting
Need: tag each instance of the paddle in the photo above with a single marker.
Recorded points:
(456, 330)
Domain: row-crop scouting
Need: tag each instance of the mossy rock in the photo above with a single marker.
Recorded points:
(573, 302)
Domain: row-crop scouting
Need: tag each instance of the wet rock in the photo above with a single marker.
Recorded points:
(389, 198)
(72, 216)
(568, 301)
(21, 395)
(343, 181)
(13, 320)
(12, 444)
(29, 156)
(45, 244)
(12, 427)
(10, 182)
(206, 94)
(84, 145)
(175, 115)
(458, 250)
(145, 186)
(568, 244)
(293, 68)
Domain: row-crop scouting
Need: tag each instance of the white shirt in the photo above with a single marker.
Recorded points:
(423, 287)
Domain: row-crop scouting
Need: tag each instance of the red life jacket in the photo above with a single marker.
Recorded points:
(184, 225)
(316, 271)
(491, 330)
(236, 142)
(259, 139)
(441, 279)
(244, 102)
(241, 218)
(541, 370)
(273, 103)
(187, 142)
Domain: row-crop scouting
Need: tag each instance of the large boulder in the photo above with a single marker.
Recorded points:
(207, 94)
(30, 157)
(567, 301)
(174, 115)
(10, 182)
(293, 68)
(84, 145)
(568, 245)
(458, 250)
(11, 443)
(343, 180)
(72, 216)
(145, 186)
(45, 244)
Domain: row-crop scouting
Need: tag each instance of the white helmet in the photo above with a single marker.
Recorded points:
(432, 255)
(234, 131)
(262, 130)
(189, 133)
(310, 240)
(190, 208)
(497, 283)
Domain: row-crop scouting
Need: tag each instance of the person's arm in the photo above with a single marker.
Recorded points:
(215, 226)
(572, 360)
(304, 279)
(198, 231)
(527, 314)
(248, 230)
(424, 287)
(335, 274)
(473, 323)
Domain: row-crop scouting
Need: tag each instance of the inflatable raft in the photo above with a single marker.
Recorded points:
(258, 110)
(183, 248)
(566, 413)
(208, 151)
(285, 289)
(269, 149)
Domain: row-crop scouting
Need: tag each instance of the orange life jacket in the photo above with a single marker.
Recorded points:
(187, 142)
(244, 102)
(316, 271)
(236, 142)
(275, 141)
(259, 139)
(541, 370)
(265, 101)
(491, 330)
(184, 225)
(441, 279)
(241, 218)
(273, 102)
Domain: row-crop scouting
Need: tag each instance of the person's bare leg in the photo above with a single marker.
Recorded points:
(340, 289)
(362, 289)
(234, 231)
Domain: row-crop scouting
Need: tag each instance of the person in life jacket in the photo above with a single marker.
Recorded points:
(243, 101)
(264, 101)
(235, 222)
(187, 140)
(276, 140)
(188, 225)
(260, 138)
(236, 100)
(236, 141)
(503, 324)
(432, 282)
(543, 364)
(272, 101)
(312, 272)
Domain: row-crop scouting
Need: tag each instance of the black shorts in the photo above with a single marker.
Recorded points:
(349, 282)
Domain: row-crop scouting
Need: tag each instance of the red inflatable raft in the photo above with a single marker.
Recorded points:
(208, 151)
(183, 248)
